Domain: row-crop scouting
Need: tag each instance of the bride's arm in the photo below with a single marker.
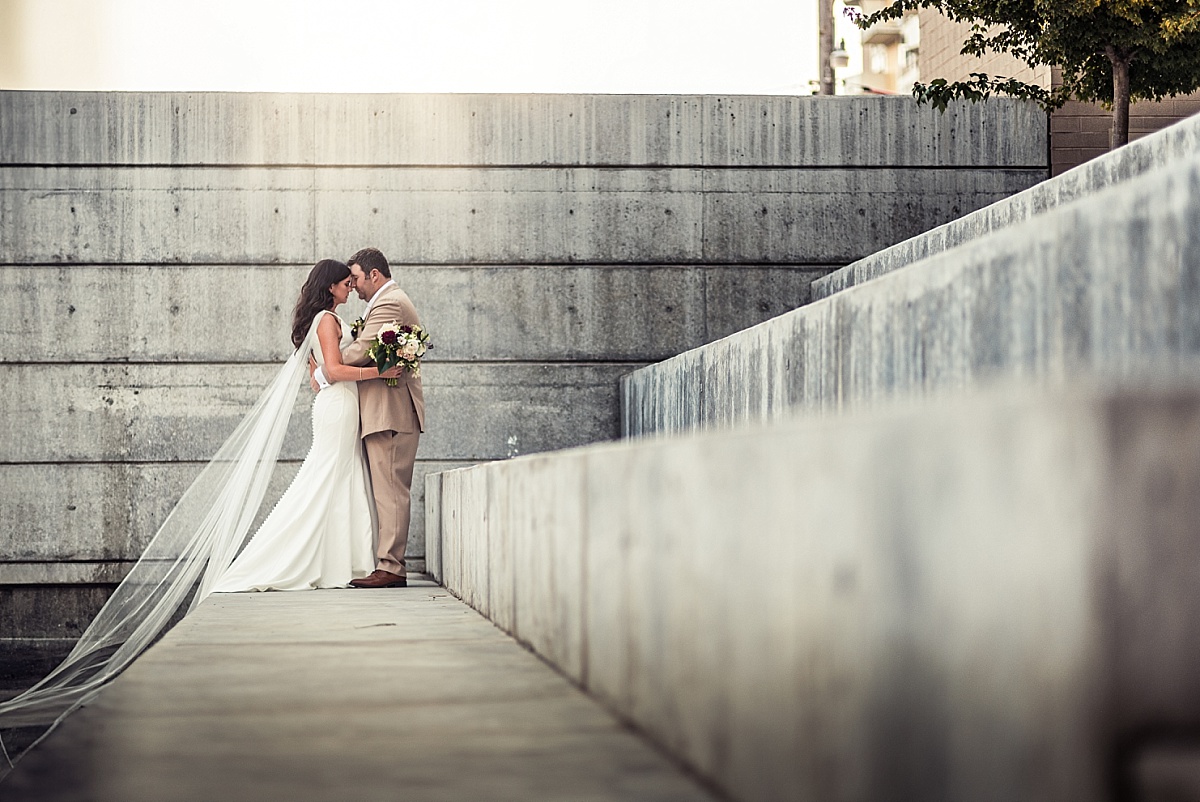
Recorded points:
(329, 335)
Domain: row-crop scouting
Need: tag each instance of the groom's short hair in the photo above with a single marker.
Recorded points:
(371, 259)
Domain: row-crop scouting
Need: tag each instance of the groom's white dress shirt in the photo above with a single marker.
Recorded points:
(318, 374)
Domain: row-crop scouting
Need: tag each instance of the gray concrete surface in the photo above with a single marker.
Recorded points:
(165, 412)
(398, 694)
(1108, 284)
(516, 313)
(993, 596)
(140, 215)
(148, 128)
(154, 243)
(1144, 155)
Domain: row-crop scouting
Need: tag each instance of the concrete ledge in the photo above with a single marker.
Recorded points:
(1109, 283)
(208, 128)
(1179, 141)
(964, 601)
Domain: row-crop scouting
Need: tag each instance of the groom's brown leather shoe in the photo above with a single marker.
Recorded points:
(380, 579)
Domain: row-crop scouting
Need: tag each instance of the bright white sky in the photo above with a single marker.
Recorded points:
(585, 46)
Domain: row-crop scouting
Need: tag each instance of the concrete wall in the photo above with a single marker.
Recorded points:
(151, 247)
(1108, 284)
(990, 597)
(1178, 141)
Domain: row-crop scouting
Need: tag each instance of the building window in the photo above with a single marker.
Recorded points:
(877, 56)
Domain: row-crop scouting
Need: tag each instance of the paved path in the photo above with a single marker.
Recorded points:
(402, 694)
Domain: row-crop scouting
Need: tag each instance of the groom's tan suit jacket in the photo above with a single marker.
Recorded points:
(382, 408)
(392, 421)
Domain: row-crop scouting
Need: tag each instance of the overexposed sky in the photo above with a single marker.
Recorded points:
(619, 46)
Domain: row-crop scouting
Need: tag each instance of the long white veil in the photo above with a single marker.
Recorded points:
(193, 547)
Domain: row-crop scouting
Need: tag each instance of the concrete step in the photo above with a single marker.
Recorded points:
(1107, 284)
(364, 695)
(1142, 156)
(993, 597)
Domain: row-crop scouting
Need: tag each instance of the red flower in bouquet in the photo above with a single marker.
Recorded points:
(399, 345)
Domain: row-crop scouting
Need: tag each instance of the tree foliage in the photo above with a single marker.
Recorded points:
(1111, 51)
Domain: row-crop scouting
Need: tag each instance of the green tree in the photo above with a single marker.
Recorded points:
(1112, 51)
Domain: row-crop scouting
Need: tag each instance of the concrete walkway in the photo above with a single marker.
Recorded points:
(338, 695)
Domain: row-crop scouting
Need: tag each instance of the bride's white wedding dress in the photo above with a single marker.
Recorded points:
(320, 534)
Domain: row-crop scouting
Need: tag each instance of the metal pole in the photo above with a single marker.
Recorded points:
(825, 50)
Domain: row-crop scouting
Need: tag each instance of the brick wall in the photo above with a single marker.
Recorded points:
(941, 41)
(1081, 131)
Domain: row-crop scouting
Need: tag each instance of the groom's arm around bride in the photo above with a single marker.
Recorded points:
(391, 418)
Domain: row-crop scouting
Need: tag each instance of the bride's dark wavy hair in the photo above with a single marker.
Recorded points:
(315, 295)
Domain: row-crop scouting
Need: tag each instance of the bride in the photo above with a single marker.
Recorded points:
(319, 535)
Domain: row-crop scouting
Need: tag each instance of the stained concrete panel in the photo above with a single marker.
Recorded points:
(812, 217)
(151, 128)
(432, 511)
(123, 215)
(473, 503)
(509, 129)
(502, 538)
(476, 411)
(514, 216)
(671, 628)
(424, 215)
(448, 529)
(547, 555)
(242, 313)
(156, 128)
(831, 215)
(59, 516)
(871, 131)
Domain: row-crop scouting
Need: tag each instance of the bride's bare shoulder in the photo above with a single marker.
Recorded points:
(329, 322)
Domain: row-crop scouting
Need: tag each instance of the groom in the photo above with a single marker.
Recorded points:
(392, 418)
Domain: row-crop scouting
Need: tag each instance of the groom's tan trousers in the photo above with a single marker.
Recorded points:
(390, 456)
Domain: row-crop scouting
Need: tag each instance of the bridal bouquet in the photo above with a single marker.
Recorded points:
(399, 345)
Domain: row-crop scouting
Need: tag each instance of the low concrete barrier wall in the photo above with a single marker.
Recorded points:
(153, 243)
(1109, 283)
(1181, 140)
(990, 597)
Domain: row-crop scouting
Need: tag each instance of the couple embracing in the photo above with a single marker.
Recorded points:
(344, 520)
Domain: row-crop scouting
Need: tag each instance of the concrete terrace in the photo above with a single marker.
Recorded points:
(343, 695)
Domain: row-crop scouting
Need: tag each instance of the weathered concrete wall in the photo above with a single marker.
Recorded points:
(151, 247)
(1146, 155)
(1107, 284)
(990, 597)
